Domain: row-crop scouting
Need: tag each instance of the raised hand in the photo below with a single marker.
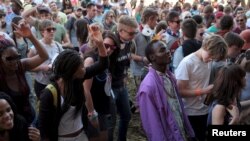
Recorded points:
(23, 29)
(95, 35)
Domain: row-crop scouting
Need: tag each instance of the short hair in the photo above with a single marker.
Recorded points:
(226, 22)
(216, 46)
(220, 8)
(208, 9)
(227, 9)
(198, 19)
(147, 13)
(127, 21)
(161, 25)
(233, 39)
(189, 28)
(89, 5)
(45, 23)
(171, 15)
(186, 5)
(149, 49)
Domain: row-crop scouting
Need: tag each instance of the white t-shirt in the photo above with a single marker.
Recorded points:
(53, 50)
(69, 123)
(197, 73)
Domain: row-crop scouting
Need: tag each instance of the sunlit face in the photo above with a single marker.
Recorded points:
(49, 32)
(80, 72)
(92, 11)
(162, 55)
(6, 115)
(206, 56)
(45, 16)
(109, 45)
(241, 21)
(153, 21)
(9, 59)
(53, 7)
(175, 24)
(127, 33)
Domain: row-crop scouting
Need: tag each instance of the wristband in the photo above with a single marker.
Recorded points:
(197, 92)
(92, 115)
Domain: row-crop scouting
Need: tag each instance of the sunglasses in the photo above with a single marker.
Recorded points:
(131, 33)
(187, 17)
(241, 20)
(111, 16)
(112, 47)
(51, 29)
(178, 22)
(13, 58)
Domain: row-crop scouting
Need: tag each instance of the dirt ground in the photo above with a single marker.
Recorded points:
(135, 131)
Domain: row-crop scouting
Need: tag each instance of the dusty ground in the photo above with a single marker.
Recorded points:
(135, 131)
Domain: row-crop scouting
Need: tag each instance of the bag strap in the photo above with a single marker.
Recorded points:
(54, 93)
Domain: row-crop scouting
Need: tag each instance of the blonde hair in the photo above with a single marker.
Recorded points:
(216, 46)
(127, 21)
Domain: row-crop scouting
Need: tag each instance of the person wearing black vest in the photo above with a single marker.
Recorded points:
(127, 28)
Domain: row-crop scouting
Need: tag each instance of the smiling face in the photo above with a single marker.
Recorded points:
(6, 115)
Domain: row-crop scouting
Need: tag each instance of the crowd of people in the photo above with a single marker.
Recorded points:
(64, 68)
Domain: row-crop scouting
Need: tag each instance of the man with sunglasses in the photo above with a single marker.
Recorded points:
(127, 28)
(172, 34)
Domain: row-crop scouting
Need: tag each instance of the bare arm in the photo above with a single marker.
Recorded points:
(218, 114)
(23, 29)
(87, 84)
(187, 92)
(66, 41)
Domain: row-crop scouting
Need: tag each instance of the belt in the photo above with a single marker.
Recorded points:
(71, 135)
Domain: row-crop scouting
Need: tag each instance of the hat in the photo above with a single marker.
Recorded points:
(18, 2)
(43, 9)
(245, 34)
(99, 5)
(219, 15)
(248, 14)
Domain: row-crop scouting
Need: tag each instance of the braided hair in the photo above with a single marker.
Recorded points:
(65, 66)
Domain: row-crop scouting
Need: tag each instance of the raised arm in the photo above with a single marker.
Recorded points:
(96, 37)
(23, 29)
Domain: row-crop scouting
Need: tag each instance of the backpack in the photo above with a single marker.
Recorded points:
(53, 91)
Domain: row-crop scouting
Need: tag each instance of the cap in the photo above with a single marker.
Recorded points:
(99, 5)
(245, 34)
(18, 2)
(219, 15)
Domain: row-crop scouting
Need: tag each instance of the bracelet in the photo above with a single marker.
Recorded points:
(197, 92)
(92, 115)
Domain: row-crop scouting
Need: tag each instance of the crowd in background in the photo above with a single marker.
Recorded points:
(64, 68)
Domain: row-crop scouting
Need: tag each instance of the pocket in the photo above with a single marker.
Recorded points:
(107, 86)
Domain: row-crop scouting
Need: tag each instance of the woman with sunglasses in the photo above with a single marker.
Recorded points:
(101, 97)
(13, 68)
(43, 71)
(109, 20)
